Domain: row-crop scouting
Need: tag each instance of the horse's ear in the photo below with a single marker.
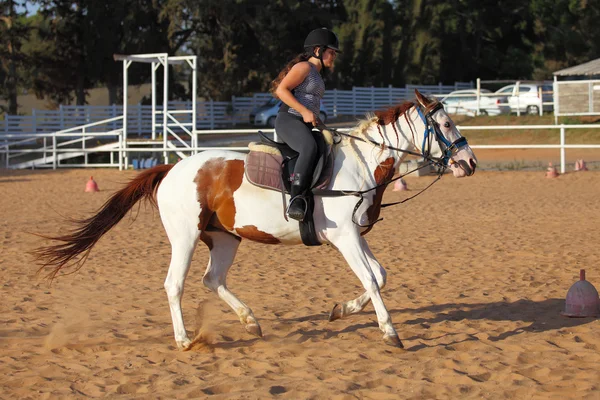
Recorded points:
(422, 99)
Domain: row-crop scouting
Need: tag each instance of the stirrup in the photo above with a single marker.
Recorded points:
(298, 215)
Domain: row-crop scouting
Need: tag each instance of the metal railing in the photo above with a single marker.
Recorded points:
(11, 146)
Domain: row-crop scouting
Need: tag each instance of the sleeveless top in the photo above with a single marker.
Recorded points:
(309, 93)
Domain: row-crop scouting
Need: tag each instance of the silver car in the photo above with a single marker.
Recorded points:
(526, 97)
(266, 114)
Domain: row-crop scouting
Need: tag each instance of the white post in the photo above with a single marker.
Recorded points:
(194, 96)
(372, 98)
(541, 96)
(154, 67)
(165, 106)
(83, 140)
(54, 154)
(555, 100)
(591, 97)
(478, 95)
(126, 64)
(34, 121)
(518, 100)
(335, 101)
(120, 153)
(562, 149)
(233, 109)
(211, 113)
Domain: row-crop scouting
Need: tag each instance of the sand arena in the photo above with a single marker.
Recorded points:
(478, 270)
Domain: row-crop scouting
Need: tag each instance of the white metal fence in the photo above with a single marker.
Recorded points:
(13, 148)
(212, 114)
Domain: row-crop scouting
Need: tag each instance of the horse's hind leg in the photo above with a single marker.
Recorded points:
(182, 249)
(223, 247)
(341, 310)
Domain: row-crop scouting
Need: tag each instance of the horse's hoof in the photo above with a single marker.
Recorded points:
(184, 345)
(254, 329)
(336, 313)
(393, 340)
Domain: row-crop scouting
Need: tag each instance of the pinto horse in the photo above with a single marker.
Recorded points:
(207, 197)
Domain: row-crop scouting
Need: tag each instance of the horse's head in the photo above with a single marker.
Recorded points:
(441, 138)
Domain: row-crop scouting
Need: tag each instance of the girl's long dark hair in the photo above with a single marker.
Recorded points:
(299, 58)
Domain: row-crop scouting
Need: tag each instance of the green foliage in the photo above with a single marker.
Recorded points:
(68, 47)
(13, 31)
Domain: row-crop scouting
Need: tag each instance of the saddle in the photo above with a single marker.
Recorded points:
(270, 164)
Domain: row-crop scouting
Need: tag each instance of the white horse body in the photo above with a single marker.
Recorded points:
(207, 197)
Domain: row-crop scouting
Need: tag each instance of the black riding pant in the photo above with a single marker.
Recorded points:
(298, 135)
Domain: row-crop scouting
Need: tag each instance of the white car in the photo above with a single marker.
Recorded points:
(464, 102)
(527, 99)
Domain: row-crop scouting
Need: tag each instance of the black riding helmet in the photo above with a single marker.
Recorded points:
(321, 38)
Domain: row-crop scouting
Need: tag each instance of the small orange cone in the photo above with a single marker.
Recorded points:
(91, 185)
(400, 185)
(551, 172)
(580, 165)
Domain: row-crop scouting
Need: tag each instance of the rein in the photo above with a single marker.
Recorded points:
(432, 131)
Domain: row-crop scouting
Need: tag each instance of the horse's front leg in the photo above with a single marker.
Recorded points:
(341, 310)
(354, 253)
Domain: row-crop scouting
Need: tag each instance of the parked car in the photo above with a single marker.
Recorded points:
(527, 100)
(265, 115)
(464, 102)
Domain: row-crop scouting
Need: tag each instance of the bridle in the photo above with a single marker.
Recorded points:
(432, 129)
(432, 132)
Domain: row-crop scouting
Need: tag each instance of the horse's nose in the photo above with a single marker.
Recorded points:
(473, 164)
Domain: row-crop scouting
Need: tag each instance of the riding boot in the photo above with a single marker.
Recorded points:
(298, 202)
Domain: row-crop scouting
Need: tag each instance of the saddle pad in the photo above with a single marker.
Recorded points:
(263, 168)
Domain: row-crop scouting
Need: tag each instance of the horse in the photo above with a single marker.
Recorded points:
(207, 197)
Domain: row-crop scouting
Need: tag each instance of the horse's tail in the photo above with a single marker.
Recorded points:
(76, 245)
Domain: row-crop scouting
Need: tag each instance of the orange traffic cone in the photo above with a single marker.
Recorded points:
(551, 172)
(400, 185)
(91, 185)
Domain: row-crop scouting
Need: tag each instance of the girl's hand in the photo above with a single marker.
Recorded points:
(309, 117)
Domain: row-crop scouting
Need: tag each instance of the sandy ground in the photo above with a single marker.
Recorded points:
(478, 270)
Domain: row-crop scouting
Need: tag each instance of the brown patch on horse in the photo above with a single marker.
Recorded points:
(384, 172)
(251, 232)
(393, 113)
(217, 180)
(77, 244)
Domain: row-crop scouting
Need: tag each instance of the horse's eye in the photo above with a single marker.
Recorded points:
(446, 124)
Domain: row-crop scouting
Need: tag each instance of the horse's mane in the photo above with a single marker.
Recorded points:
(382, 117)
(393, 113)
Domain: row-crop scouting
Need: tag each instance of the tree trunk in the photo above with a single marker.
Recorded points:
(11, 81)
(80, 90)
(112, 93)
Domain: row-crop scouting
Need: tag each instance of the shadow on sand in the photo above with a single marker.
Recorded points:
(536, 316)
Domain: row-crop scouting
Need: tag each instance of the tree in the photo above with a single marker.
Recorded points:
(76, 39)
(243, 45)
(366, 37)
(13, 31)
(567, 32)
